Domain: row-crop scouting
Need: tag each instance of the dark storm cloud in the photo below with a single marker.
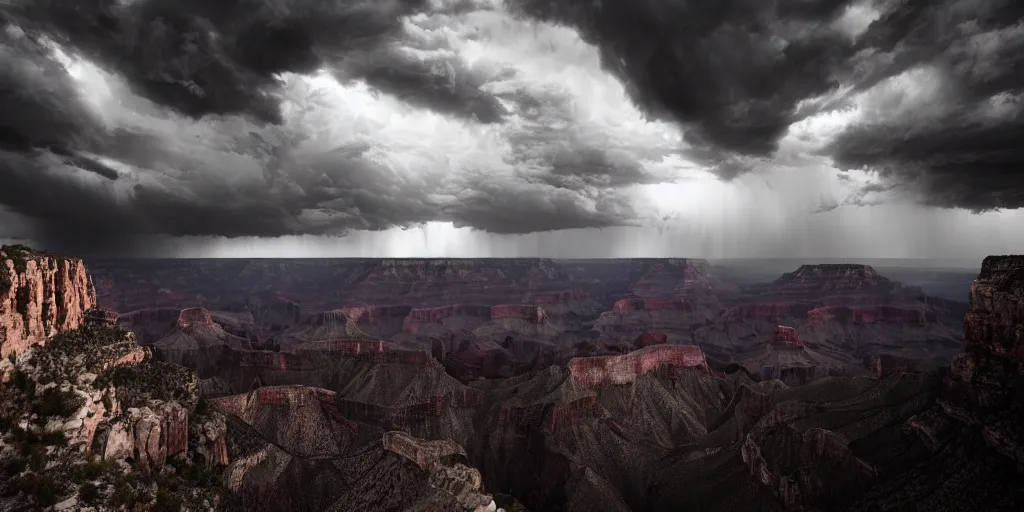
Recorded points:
(964, 147)
(89, 187)
(737, 73)
(439, 83)
(40, 106)
(732, 71)
(204, 57)
(500, 206)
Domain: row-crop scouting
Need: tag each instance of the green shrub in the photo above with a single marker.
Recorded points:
(123, 495)
(43, 488)
(23, 382)
(54, 438)
(89, 493)
(166, 501)
(37, 457)
(55, 402)
(94, 469)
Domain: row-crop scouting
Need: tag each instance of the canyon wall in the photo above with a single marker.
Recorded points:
(590, 372)
(40, 295)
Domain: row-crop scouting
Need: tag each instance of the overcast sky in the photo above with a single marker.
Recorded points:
(565, 128)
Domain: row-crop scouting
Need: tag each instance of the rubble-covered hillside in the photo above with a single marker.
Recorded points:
(90, 422)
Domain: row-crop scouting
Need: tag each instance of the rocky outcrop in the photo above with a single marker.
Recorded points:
(669, 360)
(40, 296)
(454, 478)
(631, 317)
(985, 387)
(786, 337)
(197, 342)
(377, 320)
(666, 278)
(101, 316)
(108, 420)
(325, 325)
(527, 313)
(831, 278)
(293, 448)
(150, 324)
(639, 304)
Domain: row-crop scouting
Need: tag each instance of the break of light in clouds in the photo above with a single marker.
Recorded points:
(488, 128)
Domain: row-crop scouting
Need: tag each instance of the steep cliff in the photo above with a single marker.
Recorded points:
(89, 421)
(40, 295)
(986, 389)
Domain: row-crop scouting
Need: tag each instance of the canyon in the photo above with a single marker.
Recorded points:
(518, 384)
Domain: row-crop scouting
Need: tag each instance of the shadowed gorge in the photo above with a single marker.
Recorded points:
(831, 387)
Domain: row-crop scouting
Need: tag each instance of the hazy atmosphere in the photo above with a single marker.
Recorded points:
(729, 129)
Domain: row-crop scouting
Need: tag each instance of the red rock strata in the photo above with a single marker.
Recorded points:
(786, 337)
(590, 372)
(286, 396)
(374, 314)
(530, 313)
(638, 304)
(40, 295)
(349, 347)
(867, 315)
(427, 316)
(194, 317)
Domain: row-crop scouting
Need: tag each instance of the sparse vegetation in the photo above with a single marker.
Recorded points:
(89, 493)
(19, 254)
(509, 503)
(55, 402)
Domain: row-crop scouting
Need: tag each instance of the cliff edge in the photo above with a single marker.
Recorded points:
(40, 295)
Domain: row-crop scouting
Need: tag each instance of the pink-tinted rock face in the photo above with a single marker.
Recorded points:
(529, 313)
(194, 317)
(616, 370)
(650, 338)
(866, 315)
(39, 297)
(786, 337)
(351, 347)
(458, 315)
(638, 304)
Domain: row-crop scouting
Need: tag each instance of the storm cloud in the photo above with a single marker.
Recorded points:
(269, 118)
(946, 120)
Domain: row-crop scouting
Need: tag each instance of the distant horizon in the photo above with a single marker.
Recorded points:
(932, 263)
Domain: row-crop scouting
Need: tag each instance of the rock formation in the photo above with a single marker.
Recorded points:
(40, 295)
(196, 342)
(91, 421)
(786, 337)
(378, 320)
